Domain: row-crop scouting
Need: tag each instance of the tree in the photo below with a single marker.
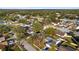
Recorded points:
(24, 21)
(4, 29)
(20, 32)
(37, 27)
(49, 32)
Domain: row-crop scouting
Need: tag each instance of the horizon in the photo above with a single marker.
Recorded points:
(39, 7)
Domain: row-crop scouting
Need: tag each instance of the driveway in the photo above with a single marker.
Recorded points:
(27, 46)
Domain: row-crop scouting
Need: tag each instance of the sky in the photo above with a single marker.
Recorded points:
(39, 4)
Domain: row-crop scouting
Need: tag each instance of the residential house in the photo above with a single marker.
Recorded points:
(2, 47)
(2, 39)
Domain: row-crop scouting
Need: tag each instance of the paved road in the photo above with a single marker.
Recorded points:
(27, 46)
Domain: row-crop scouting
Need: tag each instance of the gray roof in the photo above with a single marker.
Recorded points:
(76, 33)
(64, 29)
(49, 38)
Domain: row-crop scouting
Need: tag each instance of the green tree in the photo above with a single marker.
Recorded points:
(37, 27)
(4, 29)
(24, 21)
(20, 32)
(49, 32)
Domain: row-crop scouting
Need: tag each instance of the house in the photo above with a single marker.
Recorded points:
(59, 42)
(66, 35)
(45, 49)
(24, 25)
(2, 39)
(75, 39)
(40, 19)
(58, 32)
(21, 16)
(2, 47)
(70, 16)
(48, 40)
(77, 20)
(30, 31)
(4, 43)
(58, 14)
(77, 28)
(76, 32)
(65, 20)
(11, 32)
(2, 21)
(47, 45)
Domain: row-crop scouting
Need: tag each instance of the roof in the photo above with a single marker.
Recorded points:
(2, 46)
(4, 43)
(47, 45)
(77, 27)
(49, 38)
(76, 33)
(65, 35)
(64, 29)
(2, 39)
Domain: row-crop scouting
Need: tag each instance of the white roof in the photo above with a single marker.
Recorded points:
(65, 35)
(0, 49)
(47, 45)
(58, 42)
(77, 27)
(2, 39)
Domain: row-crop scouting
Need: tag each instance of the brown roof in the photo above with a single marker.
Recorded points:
(2, 46)
(60, 33)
